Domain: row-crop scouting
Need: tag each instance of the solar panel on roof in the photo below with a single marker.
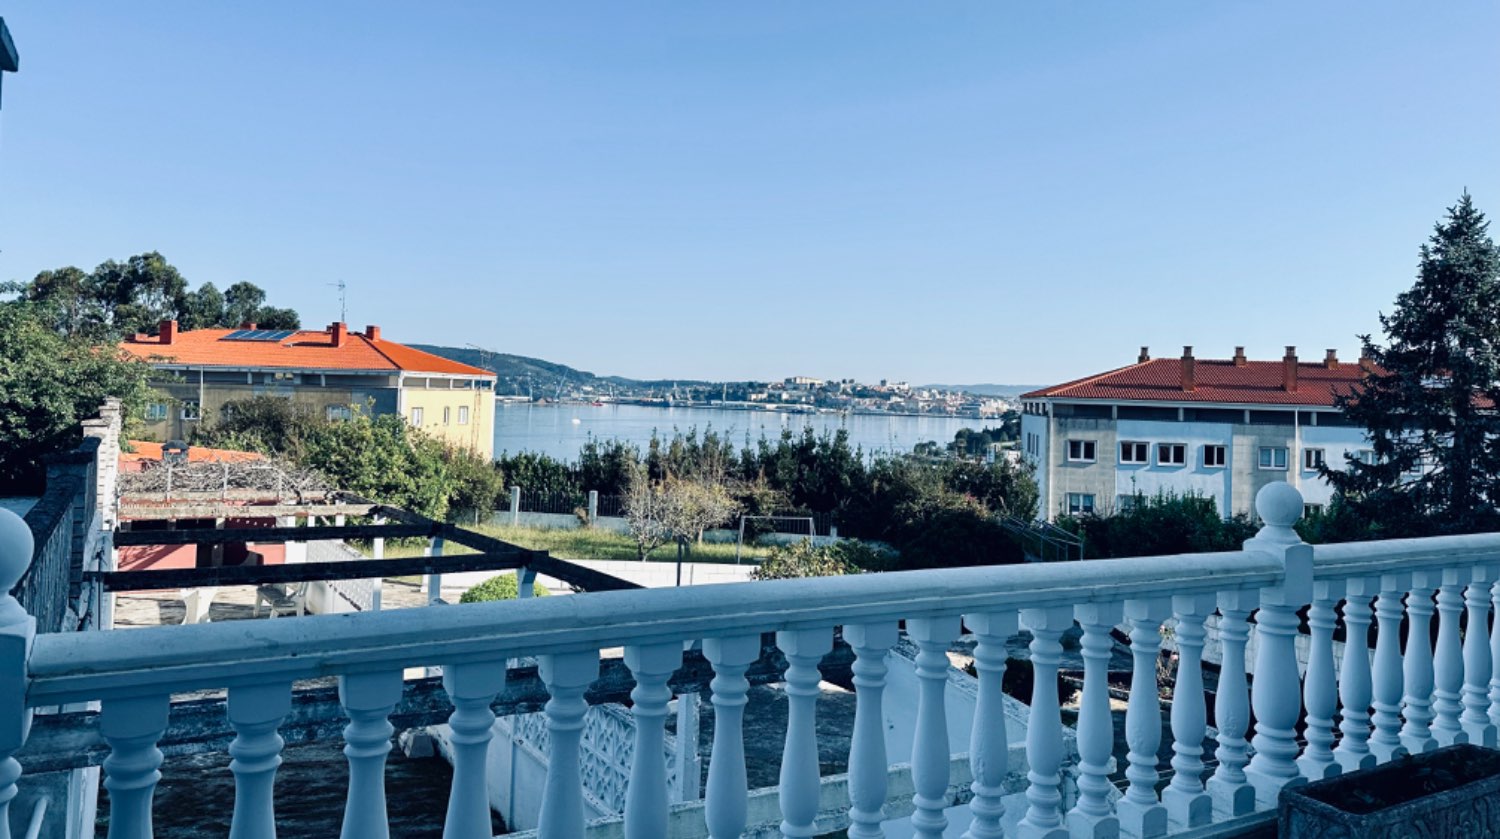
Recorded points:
(259, 335)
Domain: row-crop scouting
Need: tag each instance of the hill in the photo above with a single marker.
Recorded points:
(1010, 391)
(542, 374)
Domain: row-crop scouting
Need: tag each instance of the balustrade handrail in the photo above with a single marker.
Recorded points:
(143, 662)
(1371, 559)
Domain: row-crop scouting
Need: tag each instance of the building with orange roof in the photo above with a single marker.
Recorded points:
(1219, 428)
(333, 372)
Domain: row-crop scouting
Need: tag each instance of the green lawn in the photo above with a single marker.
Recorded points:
(585, 544)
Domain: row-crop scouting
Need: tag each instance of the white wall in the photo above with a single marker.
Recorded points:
(1191, 477)
(1336, 442)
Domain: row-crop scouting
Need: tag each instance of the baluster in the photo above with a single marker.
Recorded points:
(1353, 752)
(1385, 742)
(255, 712)
(1494, 711)
(567, 676)
(989, 745)
(868, 763)
(1477, 661)
(1231, 792)
(1093, 817)
(1187, 804)
(646, 795)
(1141, 814)
(471, 687)
(1416, 734)
(803, 649)
(132, 728)
(17, 630)
(930, 751)
(1448, 662)
(725, 800)
(368, 699)
(1319, 691)
(1043, 819)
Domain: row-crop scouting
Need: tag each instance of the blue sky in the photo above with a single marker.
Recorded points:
(956, 191)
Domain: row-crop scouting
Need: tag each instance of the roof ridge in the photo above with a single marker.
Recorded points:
(1065, 386)
(371, 344)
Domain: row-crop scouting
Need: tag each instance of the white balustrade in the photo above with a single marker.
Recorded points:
(1187, 802)
(17, 629)
(1385, 742)
(1416, 665)
(1141, 814)
(1450, 693)
(1319, 687)
(567, 676)
(1044, 819)
(1447, 661)
(132, 727)
(1093, 816)
(368, 699)
(471, 687)
(1477, 662)
(867, 754)
(1228, 787)
(989, 746)
(646, 796)
(255, 712)
(929, 750)
(1353, 751)
(800, 779)
(724, 805)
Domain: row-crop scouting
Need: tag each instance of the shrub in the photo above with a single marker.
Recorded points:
(501, 587)
(802, 559)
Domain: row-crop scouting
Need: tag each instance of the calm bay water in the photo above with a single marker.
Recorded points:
(561, 430)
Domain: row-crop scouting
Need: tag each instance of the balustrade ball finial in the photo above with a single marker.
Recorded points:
(15, 550)
(1279, 504)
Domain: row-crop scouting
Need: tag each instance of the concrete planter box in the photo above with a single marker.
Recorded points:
(1450, 792)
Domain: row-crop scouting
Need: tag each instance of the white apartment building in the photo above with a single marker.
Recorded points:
(1216, 428)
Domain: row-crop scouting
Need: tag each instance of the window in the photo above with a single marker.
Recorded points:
(1416, 466)
(447, 415)
(1366, 456)
(1310, 510)
(1272, 457)
(1171, 454)
(191, 410)
(1126, 503)
(463, 414)
(1080, 504)
(1081, 451)
(1133, 452)
(416, 417)
(1214, 456)
(155, 411)
(1312, 459)
(338, 412)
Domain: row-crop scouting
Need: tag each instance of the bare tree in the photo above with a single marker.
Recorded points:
(647, 513)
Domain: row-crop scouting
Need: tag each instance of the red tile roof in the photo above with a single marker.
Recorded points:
(147, 451)
(304, 349)
(1216, 381)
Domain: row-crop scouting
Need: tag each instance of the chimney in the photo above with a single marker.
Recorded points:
(1331, 360)
(338, 331)
(372, 332)
(1144, 357)
(1289, 370)
(1189, 382)
(1239, 357)
(1366, 363)
(167, 331)
(249, 324)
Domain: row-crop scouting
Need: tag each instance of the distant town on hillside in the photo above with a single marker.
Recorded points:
(535, 379)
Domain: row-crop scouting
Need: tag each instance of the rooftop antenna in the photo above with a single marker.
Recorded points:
(343, 300)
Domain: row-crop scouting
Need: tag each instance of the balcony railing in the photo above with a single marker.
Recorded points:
(1432, 695)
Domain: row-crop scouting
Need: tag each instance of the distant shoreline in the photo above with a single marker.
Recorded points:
(776, 410)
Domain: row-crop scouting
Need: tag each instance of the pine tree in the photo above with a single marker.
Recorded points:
(1429, 399)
